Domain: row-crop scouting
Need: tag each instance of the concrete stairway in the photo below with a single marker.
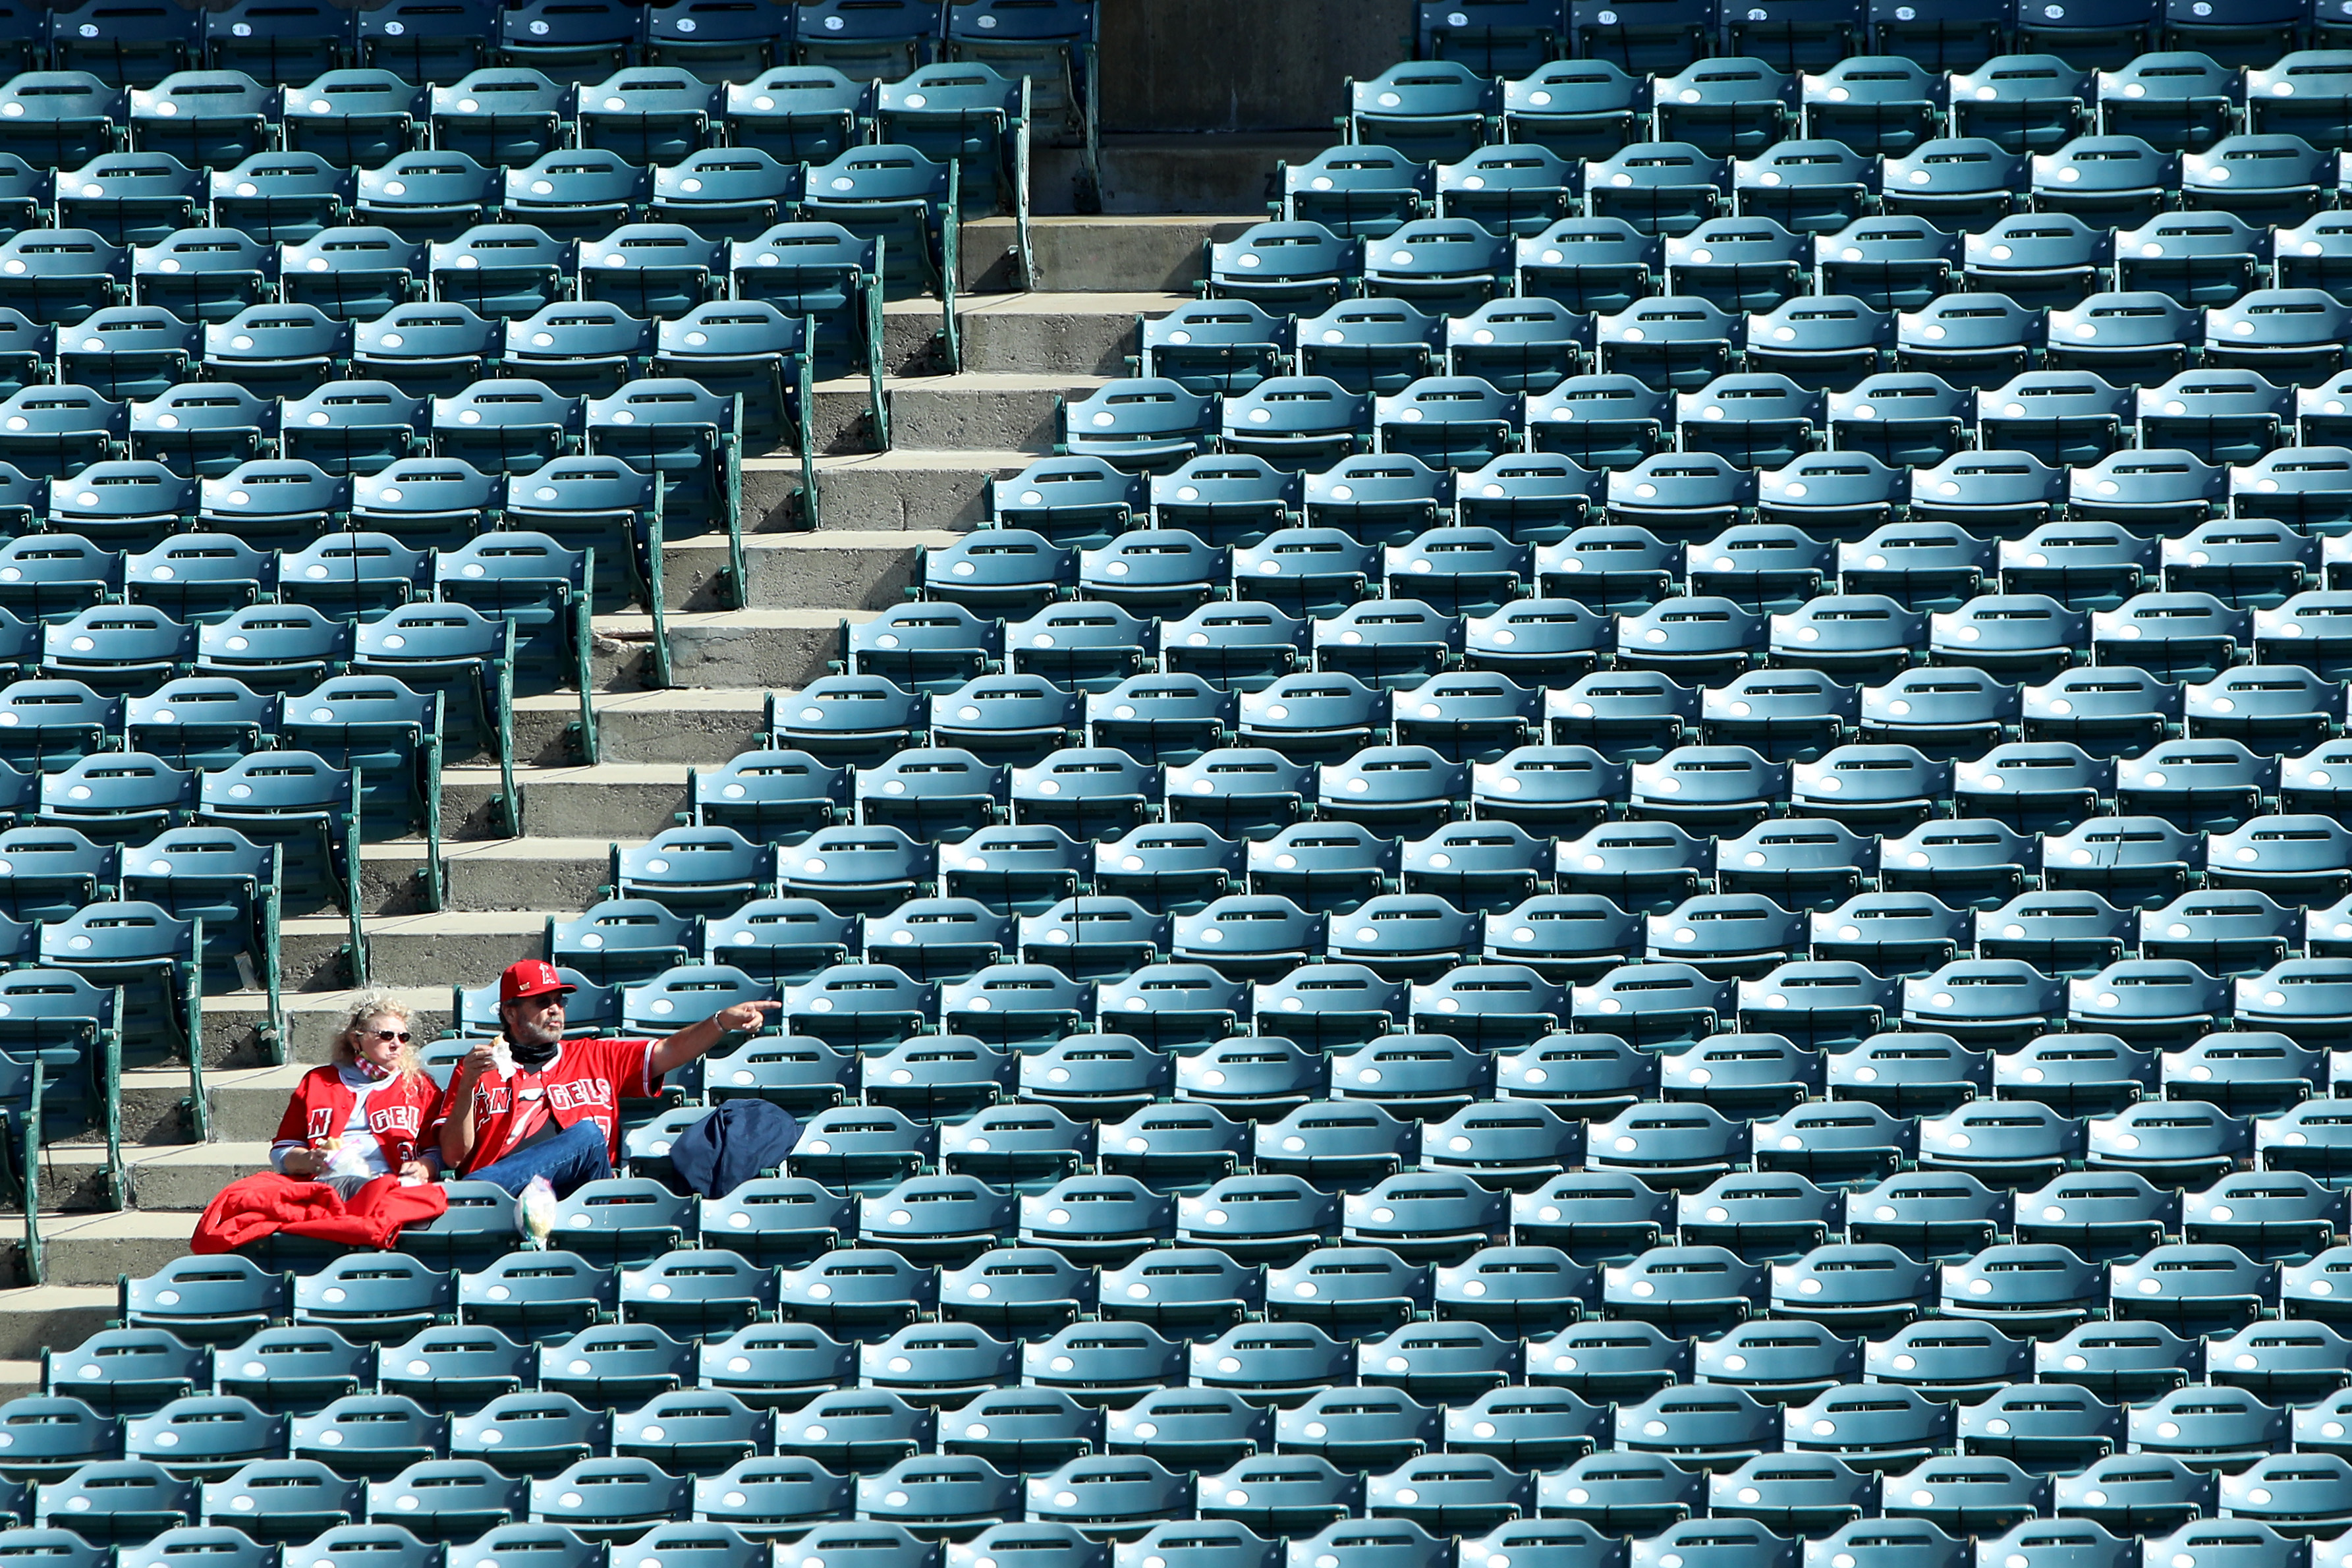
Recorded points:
(953, 433)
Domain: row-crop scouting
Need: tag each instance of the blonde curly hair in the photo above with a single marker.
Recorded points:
(371, 1003)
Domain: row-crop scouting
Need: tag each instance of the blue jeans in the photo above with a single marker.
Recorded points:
(571, 1160)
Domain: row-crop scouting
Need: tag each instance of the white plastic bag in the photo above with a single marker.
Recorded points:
(535, 1211)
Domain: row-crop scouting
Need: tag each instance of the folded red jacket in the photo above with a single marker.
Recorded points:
(245, 1211)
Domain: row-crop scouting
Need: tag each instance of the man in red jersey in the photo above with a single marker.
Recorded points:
(558, 1112)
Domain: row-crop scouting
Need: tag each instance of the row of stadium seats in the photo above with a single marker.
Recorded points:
(1460, 979)
(361, 273)
(956, 1505)
(1257, 909)
(1812, 186)
(1916, 731)
(1820, 342)
(200, 579)
(1917, 727)
(428, 680)
(2180, 265)
(815, 313)
(2177, 265)
(1478, 738)
(1434, 1078)
(1394, 1544)
(561, 1293)
(531, 590)
(437, 470)
(628, 1228)
(2182, 102)
(141, 477)
(214, 454)
(138, 45)
(292, 231)
(1448, 614)
(205, 276)
(1482, 743)
(1466, 894)
(1270, 1231)
(1618, 421)
(1885, 105)
(1490, 1005)
(1513, 37)
(1772, 567)
(1604, 1233)
(1312, 886)
(1729, 427)
(328, 437)
(1376, 1429)
(358, 119)
(372, 602)
(144, 354)
(1667, 187)
(1542, 499)
(1404, 648)
(506, 610)
(1705, 641)
(796, 948)
(1497, 903)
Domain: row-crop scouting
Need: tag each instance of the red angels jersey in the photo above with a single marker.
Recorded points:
(320, 1108)
(586, 1082)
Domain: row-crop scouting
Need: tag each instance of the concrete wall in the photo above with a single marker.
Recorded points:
(1243, 65)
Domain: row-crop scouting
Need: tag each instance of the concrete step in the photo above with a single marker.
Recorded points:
(490, 874)
(1019, 332)
(246, 1103)
(764, 647)
(627, 801)
(990, 411)
(47, 1317)
(980, 413)
(1031, 335)
(1056, 335)
(171, 1186)
(154, 1101)
(1104, 254)
(313, 1018)
(913, 342)
(904, 488)
(1019, 350)
(695, 725)
(169, 1183)
(983, 410)
(18, 1379)
(841, 421)
(832, 570)
(1165, 172)
(412, 949)
(91, 1251)
(155, 1109)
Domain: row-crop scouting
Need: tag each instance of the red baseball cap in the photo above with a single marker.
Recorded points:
(531, 977)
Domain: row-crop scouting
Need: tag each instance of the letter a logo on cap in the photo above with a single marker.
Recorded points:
(531, 977)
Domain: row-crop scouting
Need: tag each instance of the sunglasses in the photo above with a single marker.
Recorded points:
(400, 1034)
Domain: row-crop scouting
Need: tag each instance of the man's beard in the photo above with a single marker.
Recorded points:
(532, 1043)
